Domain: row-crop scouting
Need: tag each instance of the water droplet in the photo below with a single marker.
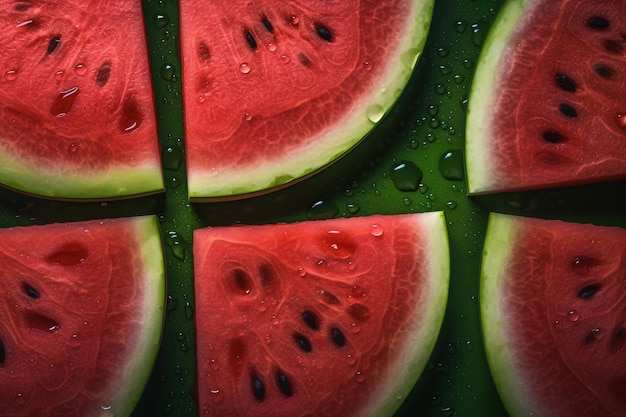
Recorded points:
(168, 72)
(247, 117)
(161, 20)
(353, 208)
(301, 271)
(478, 35)
(469, 346)
(358, 375)
(80, 69)
(284, 59)
(244, 68)
(440, 89)
(10, 75)
(375, 113)
(376, 230)
(573, 315)
(271, 47)
(443, 51)
(59, 75)
(177, 244)
(451, 348)
(322, 209)
(406, 176)
(621, 119)
(460, 26)
(172, 303)
(451, 165)
(188, 310)
(367, 65)
(64, 101)
(20, 399)
(444, 69)
(447, 411)
(451, 205)
(172, 158)
(433, 109)
(294, 20)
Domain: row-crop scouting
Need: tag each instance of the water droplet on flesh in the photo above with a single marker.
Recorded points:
(376, 230)
(375, 113)
(244, 68)
(80, 69)
(10, 75)
(573, 315)
(64, 101)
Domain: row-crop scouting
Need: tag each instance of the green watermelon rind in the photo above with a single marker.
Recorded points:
(134, 377)
(116, 183)
(327, 146)
(479, 152)
(502, 233)
(423, 336)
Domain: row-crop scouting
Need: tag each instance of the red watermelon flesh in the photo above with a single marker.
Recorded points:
(275, 90)
(81, 311)
(553, 303)
(319, 318)
(76, 103)
(547, 105)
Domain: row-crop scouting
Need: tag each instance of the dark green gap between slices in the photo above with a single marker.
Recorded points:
(456, 381)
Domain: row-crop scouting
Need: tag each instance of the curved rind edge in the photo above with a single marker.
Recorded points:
(137, 372)
(330, 145)
(428, 319)
(118, 182)
(479, 156)
(502, 233)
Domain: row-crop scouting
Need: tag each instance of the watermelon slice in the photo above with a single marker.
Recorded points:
(81, 312)
(553, 307)
(546, 106)
(274, 91)
(77, 117)
(319, 318)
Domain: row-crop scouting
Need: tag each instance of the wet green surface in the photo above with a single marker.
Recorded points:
(411, 163)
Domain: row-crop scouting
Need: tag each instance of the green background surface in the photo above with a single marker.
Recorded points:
(425, 125)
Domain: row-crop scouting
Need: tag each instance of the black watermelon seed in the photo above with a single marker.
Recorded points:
(103, 74)
(30, 291)
(283, 383)
(338, 337)
(54, 44)
(589, 291)
(267, 274)
(552, 137)
(604, 71)
(204, 53)
(267, 24)
(3, 352)
(568, 110)
(565, 82)
(258, 388)
(324, 33)
(612, 46)
(310, 319)
(598, 23)
(303, 343)
(251, 41)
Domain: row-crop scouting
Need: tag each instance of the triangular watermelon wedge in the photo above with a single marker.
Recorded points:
(546, 106)
(81, 316)
(77, 116)
(553, 308)
(274, 91)
(318, 318)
